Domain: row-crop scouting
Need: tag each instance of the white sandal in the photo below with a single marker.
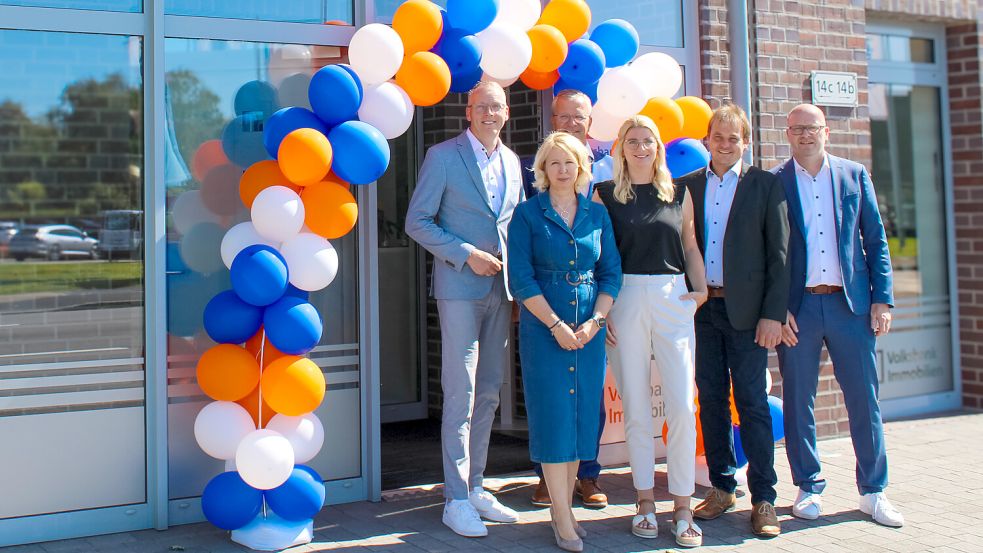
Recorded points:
(647, 533)
(680, 527)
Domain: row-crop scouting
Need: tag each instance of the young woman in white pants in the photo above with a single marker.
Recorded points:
(655, 234)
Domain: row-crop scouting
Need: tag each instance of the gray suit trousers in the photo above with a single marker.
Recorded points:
(471, 383)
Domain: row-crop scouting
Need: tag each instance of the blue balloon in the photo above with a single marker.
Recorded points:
(259, 275)
(229, 503)
(312, 472)
(465, 80)
(229, 320)
(242, 139)
(590, 89)
(335, 95)
(299, 498)
(685, 156)
(471, 15)
(355, 77)
(361, 153)
(739, 448)
(284, 122)
(460, 50)
(618, 39)
(293, 325)
(256, 97)
(777, 417)
(297, 292)
(584, 63)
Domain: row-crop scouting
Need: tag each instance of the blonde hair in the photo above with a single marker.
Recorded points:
(661, 178)
(568, 143)
(733, 115)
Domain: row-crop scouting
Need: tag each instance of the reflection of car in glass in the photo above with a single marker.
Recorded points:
(52, 242)
(122, 234)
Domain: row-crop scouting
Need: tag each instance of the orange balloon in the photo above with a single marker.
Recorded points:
(735, 417)
(207, 157)
(549, 48)
(251, 404)
(667, 115)
(571, 17)
(227, 372)
(305, 156)
(696, 116)
(293, 385)
(425, 77)
(700, 449)
(539, 81)
(269, 352)
(330, 208)
(258, 177)
(419, 24)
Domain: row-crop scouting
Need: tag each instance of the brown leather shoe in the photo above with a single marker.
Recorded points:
(716, 503)
(590, 494)
(764, 521)
(541, 497)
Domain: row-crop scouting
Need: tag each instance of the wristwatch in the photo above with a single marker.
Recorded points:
(601, 321)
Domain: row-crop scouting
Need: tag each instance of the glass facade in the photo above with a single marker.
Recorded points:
(658, 22)
(99, 5)
(71, 320)
(295, 11)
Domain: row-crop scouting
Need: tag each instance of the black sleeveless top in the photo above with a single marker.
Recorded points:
(648, 230)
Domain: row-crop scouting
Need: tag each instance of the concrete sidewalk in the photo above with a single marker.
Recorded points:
(936, 471)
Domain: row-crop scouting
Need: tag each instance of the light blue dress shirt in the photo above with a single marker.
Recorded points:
(719, 199)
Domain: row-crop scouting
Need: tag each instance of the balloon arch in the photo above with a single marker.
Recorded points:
(265, 390)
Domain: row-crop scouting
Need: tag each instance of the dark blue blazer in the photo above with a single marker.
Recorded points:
(865, 262)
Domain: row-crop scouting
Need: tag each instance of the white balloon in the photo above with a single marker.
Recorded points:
(604, 124)
(660, 73)
(741, 476)
(305, 434)
(522, 14)
(375, 53)
(239, 238)
(702, 472)
(265, 459)
(387, 107)
(288, 60)
(621, 91)
(220, 426)
(277, 213)
(768, 381)
(505, 83)
(312, 261)
(505, 51)
(189, 210)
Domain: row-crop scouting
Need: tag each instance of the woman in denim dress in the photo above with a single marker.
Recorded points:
(565, 269)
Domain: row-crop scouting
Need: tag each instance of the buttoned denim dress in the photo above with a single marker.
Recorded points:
(569, 267)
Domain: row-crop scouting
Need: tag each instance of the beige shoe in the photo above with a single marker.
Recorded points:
(681, 526)
(764, 521)
(716, 503)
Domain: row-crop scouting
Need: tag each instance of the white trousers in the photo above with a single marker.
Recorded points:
(651, 322)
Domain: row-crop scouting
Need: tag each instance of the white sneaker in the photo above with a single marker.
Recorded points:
(460, 516)
(807, 505)
(488, 507)
(877, 506)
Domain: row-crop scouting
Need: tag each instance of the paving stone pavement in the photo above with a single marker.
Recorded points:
(935, 468)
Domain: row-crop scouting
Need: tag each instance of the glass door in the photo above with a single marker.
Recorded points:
(910, 169)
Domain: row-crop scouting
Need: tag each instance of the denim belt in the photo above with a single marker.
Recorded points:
(571, 277)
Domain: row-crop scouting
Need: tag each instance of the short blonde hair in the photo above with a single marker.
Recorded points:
(732, 114)
(568, 143)
(661, 178)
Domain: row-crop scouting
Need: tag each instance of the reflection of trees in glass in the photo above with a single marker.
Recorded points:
(195, 110)
(83, 156)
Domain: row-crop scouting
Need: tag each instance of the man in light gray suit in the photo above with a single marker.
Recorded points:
(460, 212)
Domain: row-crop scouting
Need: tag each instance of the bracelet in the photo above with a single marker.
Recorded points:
(554, 325)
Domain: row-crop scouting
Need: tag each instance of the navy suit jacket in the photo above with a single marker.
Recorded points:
(865, 262)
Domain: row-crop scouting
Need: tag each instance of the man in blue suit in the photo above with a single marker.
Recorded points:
(841, 296)
(460, 212)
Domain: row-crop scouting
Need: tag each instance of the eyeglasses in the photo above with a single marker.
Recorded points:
(806, 129)
(566, 119)
(488, 108)
(634, 144)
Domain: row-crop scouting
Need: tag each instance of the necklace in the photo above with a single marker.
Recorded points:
(564, 213)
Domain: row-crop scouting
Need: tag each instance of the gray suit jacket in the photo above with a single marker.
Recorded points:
(450, 212)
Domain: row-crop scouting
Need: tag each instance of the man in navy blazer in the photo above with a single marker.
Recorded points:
(460, 212)
(840, 295)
